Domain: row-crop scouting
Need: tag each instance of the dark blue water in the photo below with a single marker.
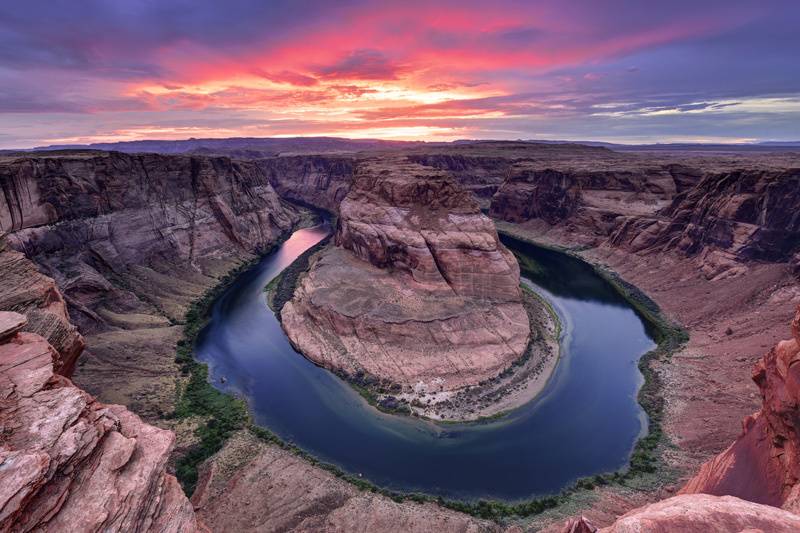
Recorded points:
(585, 422)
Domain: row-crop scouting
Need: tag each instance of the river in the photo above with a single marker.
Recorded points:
(586, 420)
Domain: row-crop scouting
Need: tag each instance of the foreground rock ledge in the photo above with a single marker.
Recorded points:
(70, 463)
(697, 513)
(250, 485)
(418, 290)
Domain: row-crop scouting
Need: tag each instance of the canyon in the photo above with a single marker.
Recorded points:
(111, 249)
(132, 241)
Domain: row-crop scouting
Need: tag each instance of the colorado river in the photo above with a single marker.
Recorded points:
(586, 421)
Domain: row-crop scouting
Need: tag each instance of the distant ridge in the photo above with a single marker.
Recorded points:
(252, 146)
(255, 147)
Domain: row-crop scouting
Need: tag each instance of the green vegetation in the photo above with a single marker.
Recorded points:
(221, 413)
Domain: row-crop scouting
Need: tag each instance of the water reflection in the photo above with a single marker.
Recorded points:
(585, 422)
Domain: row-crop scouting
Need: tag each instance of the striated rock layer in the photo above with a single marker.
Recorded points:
(253, 486)
(418, 289)
(699, 513)
(26, 291)
(70, 463)
(131, 241)
(724, 219)
(763, 465)
(321, 181)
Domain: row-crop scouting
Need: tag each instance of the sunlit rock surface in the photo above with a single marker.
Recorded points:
(418, 290)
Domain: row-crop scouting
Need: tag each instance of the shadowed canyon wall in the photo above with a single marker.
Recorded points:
(132, 240)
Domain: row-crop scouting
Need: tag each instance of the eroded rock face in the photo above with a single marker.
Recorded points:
(763, 465)
(480, 175)
(253, 486)
(92, 219)
(418, 290)
(701, 513)
(26, 291)
(546, 194)
(587, 203)
(727, 219)
(70, 463)
(131, 241)
(318, 180)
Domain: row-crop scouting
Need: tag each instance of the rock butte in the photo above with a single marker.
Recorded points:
(418, 289)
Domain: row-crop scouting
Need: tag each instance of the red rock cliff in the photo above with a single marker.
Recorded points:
(70, 463)
(763, 465)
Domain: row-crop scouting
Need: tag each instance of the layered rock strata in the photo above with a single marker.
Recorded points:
(591, 203)
(321, 181)
(417, 291)
(254, 486)
(26, 291)
(70, 463)
(724, 219)
(698, 513)
(132, 240)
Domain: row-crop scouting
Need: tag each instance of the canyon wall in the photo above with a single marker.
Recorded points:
(724, 219)
(480, 175)
(132, 240)
(417, 290)
(321, 181)
(590, 202)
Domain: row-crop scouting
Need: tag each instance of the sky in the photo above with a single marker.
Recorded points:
(631, 71)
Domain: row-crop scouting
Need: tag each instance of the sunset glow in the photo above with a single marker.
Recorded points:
(620, 70)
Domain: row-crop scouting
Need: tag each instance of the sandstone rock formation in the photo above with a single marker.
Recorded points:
(418, 290)
(549, 195)
(481, 175)
(698, 513)
(724, 219)
(591, 203)
(70, 463)
(132, 240)
(26, 291)
(254, 486)
(763, 465)
(316, 180)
